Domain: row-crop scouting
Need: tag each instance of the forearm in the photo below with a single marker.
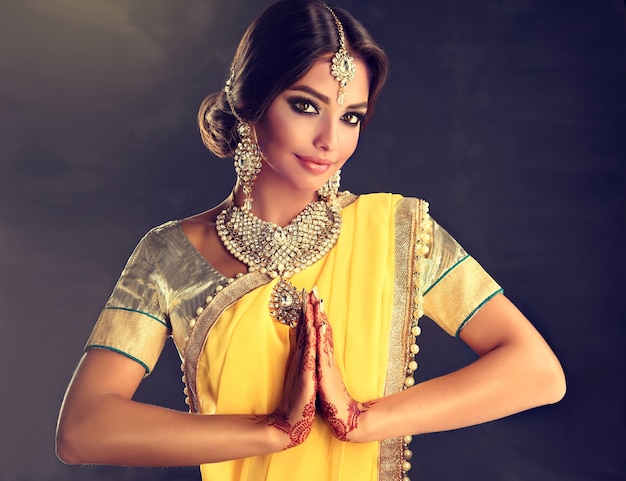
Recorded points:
(503, 382)
(115, 430)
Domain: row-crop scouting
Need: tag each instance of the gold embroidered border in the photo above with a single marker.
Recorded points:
(221, 301)
(406, 225)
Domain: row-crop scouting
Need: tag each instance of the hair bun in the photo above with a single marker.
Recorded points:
(217, 125)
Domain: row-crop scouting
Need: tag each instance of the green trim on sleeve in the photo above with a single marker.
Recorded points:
(109, 348)
(446, 272)
(467, 319)
(140, 312)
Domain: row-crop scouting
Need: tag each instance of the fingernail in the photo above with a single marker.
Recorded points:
(304, 296)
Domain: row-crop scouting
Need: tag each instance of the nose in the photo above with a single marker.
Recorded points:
(327, 138)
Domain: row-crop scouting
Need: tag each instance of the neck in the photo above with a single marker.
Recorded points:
(277, 205)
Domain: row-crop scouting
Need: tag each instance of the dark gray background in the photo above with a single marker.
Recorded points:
(509, 116)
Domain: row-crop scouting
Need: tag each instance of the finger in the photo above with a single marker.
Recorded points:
(301, 334)
(324, 354)
(317, 327)
(310, 308)
(318, 310)
(322, 324)
(305, 326)
(307, 339)
(297, 356)
(294, 335)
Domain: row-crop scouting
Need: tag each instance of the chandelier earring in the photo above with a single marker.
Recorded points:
(247, 161)
(328, 191)
(248, 155)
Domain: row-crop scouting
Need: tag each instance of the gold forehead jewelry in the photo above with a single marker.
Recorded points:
(342, 66)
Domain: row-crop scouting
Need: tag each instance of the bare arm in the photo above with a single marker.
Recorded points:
(516, 371)
(99, 422)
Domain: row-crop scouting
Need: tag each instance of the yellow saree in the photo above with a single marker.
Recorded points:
(234, 354)
(242, 361)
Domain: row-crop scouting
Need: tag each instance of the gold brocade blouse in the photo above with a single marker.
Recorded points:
(374, 291)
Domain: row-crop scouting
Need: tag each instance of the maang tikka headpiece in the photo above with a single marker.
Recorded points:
(342, 67)
(247, 156)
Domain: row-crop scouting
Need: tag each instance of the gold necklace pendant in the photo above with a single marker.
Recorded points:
(285, 303)
(281, 251)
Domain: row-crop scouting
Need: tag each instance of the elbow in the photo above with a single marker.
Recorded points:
(552, 386)
(559, 385)
(65, 450)
(69, 446)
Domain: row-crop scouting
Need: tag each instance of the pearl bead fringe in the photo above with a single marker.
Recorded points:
(194, 321)
(422, 247)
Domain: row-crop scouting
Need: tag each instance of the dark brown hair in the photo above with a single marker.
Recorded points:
(277, 50)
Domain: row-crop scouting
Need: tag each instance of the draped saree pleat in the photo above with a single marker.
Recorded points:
(238, 354)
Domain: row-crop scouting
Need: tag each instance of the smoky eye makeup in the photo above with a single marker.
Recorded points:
(308, 106)
(353, 118)
(303, 105)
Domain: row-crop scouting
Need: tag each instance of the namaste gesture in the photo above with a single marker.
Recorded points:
(304, 81)
(313, 384)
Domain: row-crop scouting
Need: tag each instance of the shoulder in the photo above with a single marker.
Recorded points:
(393, 202)
(195, 226)
(200, 227)
(160, 234)
(382, 197)
(157, 244)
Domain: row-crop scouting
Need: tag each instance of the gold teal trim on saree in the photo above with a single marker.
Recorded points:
(166, 324)
(119, 329)
(455, 296)
(207, 319)
(446, 272)
(467, 319)
(406, 231)
(109, 348)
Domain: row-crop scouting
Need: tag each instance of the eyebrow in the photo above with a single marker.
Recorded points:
(323, 98)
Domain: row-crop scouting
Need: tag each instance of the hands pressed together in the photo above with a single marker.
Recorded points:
(313, 384)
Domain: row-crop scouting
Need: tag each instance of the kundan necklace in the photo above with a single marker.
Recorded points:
(281, 251)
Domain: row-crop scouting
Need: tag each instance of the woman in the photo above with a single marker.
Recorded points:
(280, 383)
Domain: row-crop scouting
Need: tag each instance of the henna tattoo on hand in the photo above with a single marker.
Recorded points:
(298, 431)
(340, 428)
(280, 419)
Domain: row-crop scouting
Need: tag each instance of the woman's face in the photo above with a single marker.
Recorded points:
(305, 135)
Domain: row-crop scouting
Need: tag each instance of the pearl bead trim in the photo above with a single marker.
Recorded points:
(194, 321)
(422, 247)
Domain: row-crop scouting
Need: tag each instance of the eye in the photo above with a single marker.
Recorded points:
(353, 118)
(304, 106)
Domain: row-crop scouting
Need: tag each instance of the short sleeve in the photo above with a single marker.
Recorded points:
(455, 284)
(134, 321)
